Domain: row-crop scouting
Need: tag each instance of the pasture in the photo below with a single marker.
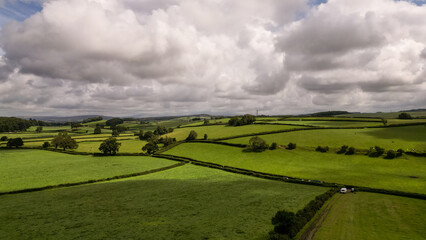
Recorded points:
(186, 202)
(405, 174)
(374, 216)
(221, 131)
(407, 138)
(342, 124)
(22, 169)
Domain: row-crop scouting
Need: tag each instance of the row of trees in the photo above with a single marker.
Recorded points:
(240, 121)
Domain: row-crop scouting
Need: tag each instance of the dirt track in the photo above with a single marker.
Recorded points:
(309, 233)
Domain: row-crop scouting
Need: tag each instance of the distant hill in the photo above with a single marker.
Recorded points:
(66, 119)
(324, 114)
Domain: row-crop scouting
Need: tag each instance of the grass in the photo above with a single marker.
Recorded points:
(360, 170)
(220, 131)
(407, 138)
(187, 202)
(22, 169)
(383, 115)
(374, 216)
(127, 146)
(331, 123)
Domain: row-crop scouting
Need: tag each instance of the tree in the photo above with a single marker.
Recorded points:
(404, 116)
(257, 144)
(206, 122)
(390, 154)
(63, 140)
(15, 142)
(4, 138)
(115, 133)
(97, 130)
(39, 129)
(148, 136)
(160, 130)
(205, 136)
(285, 222)
(291, 146)
(45, 145)
(350, 151)
(343, 149)
(110, 146)
(192, 135)
(322, 149)
(234, 121)
(273, 146)
(114, 122)
(151, 147)
(247, 119)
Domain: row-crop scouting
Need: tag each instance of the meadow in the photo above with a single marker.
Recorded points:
(23, 169)
(407, 138)
(221, 131)
(374, 216)
(405, 174)
(329, 123)
(186, 202)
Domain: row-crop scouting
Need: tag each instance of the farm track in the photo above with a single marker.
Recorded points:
(310, 232)
(93, 181)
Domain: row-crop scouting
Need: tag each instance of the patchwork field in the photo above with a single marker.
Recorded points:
(404, 174)
(330, 123)
(222, 131)
(187, 202)
(374, 216)
(22, 169)
(407, 138)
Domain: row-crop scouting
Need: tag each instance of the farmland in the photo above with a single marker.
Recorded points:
(330, 167)
(407, 138)
(374, 216)
(182, 203)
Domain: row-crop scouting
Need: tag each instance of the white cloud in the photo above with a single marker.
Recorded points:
(176, 57)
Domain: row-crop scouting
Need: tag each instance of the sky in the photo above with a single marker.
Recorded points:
(224, 57)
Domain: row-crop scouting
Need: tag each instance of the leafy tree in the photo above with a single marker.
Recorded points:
(45, 145)
(234, 121)
(206, 122)
(167, 141)
(350, 151)
(15, 142)
(39, 129)
(322, 149)
(63, 140)
(13, 124)
(76, 125)
(161, 130)
(4, 138)
(120, 129)
(399, 152)
(390, 154)
(148, 136)
(97, 130)
(343, 149)
(205, 136)
(244, 120)
(273, 146)
(285, 223)
(375, 151)
(92, 119)
(404, 116)
(110, 146)
(192, 135)
(115, 133)
(151, 147)
(291, 146)
(257, 144)
(114, 122)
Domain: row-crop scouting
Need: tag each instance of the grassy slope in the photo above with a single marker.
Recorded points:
(225, 131)
(384, 115)
(21, 169)
(187, 202)
(374, 216)
(356, 169)
(127, 146)
(332, 123)
(411, 137)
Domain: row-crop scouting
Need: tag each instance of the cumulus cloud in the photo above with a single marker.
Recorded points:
(178, 57)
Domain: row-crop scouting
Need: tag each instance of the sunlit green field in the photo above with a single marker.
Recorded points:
(127, 146)
(374, 216)
(407, 138)
(384, 115)
(22, 169)
(221, 131)
(186, 202)
(405, 174)
(331, 123)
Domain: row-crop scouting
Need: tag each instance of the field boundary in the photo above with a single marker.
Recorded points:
(288, 179)
(92, 181)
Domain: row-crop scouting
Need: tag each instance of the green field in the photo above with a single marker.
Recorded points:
(383, 115)
(127, 146)
(330, 123)
(221, 131)
(407, 138)
(22, 169)
(187, 202)
(360, 170)
(372, 216)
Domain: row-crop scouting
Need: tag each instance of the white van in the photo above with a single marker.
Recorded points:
(343, 190)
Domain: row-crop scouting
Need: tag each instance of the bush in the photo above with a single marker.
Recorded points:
(45, 145)
(350, 151)
(399, 152)
(291, 146)
(192, 135)
(4, 138)
(205, 136)
(390, 154)
(97, 130)
(244, 120)
(150, 147)
(404, 116)
(322, 149)
(375, 151)
(257, 144)
(15, 142)
(273, 146)
(343, 149)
